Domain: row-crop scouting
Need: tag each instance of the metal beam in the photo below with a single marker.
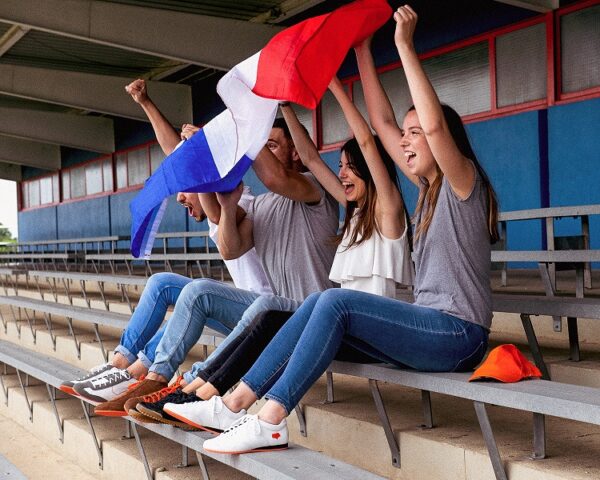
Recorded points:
(77, 131)
(12, 36)
(98, 93)
(285, 10)
(542, 6)
(199, 39)
(9, 171)
(31, 154)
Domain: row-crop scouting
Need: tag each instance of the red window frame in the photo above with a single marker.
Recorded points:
(554, 94)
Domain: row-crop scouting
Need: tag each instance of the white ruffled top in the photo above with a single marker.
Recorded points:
(374, 266)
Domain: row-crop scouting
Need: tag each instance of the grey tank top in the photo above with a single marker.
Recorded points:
(452, 260)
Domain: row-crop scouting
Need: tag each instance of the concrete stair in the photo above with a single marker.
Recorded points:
(348, 429)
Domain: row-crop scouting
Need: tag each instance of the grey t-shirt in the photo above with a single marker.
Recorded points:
(452, 261)
(294, 241)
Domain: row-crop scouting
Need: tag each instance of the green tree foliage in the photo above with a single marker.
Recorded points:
(5, 235)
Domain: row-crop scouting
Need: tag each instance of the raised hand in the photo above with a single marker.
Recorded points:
(229, 200)
(406, 21)
(137, 90)
(188, 130)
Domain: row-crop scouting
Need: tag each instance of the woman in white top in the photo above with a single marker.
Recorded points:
(374, 247)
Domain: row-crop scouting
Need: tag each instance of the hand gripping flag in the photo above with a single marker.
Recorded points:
(296, 65)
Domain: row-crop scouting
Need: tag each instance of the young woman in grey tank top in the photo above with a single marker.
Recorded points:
(446, 329)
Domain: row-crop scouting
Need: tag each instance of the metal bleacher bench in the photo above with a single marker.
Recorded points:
(51, 277)
(39, 258)
(167, 258)
(92, 316)
(295, 463)
(541, 397)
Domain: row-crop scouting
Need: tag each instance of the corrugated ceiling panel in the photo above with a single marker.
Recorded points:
(41, 49)
(238, 9)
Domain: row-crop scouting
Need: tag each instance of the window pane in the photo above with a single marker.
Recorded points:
(34, 193)
(93, 178)
(77, 182)
(580, 44)
(46, 190)
(25, 194)
(55, 189)
(462, 78)
(137, 166)
(335, 128)
(305, 116)
(66, 185)
(394, 84)
(121, 170)
(521, 66)
(156, 157)
(107, 175)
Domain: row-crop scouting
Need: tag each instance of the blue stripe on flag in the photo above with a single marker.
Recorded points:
(190, 168)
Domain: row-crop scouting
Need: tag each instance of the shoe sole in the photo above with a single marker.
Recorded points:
(140, 417)
(255, 450)
(189, 422)
(165, 421)
(69, 390)
(149, 413)
(110, 413)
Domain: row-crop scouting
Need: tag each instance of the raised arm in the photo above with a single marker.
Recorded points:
(455, 166)
(284, 181)
(388, 197)
(379, 108)
(233, 239)
(309, 155)
(165, 134)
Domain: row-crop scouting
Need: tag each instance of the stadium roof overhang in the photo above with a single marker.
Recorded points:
(64, 63)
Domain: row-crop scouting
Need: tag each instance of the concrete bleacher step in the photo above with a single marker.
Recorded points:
(120, 455)
(350, 430)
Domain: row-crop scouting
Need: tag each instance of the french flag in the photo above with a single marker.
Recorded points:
(296, 65)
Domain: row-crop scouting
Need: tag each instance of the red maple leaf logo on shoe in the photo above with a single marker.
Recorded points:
(276, 435)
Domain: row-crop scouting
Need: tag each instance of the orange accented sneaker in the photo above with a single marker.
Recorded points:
(116, 407)
(132, 403)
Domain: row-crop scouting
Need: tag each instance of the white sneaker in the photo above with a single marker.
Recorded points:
(94, 372)
(249, 434)
(106, 386)
(211, 415)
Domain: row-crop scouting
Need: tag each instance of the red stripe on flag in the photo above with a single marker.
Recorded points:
(298, 63)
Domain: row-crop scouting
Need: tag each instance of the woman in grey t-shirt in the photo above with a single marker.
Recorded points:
(446, 329)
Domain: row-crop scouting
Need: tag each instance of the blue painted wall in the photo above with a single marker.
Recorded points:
(574, 162)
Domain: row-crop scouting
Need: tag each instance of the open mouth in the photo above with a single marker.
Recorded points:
(410, 156)
(348, 188)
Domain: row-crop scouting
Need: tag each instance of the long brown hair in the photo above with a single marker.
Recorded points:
(366, 222)
(428, 194)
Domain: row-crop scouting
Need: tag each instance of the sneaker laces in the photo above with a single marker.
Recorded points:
(178, 397)
(92, 372)
(243, 421)
(156, 396)
(111, 379)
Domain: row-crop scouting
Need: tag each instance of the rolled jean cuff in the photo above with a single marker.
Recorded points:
(188, 377)
(164, 370)
(131, 358)
(287, 407)
(256, 390)
(144, 359)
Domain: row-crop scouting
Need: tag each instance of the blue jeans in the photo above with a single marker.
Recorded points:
(205, 302)
(389, 330)
(144, 331)
(262, 303)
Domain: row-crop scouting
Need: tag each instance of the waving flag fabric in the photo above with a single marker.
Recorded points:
(296, 65)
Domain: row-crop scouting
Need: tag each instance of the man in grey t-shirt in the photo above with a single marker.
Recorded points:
(293, 227)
